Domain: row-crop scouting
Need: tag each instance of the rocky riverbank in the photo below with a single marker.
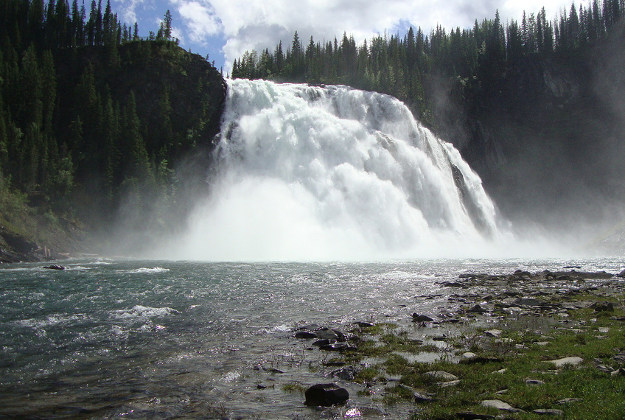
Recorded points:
(520, 345)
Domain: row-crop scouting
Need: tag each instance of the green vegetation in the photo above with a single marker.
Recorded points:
(92, 116)
(502, 366)
(473, 61)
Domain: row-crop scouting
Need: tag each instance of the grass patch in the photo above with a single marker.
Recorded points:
(521, 353)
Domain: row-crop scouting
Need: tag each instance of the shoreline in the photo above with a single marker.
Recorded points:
(521, 345)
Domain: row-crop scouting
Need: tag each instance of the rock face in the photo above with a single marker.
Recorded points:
(326, 395)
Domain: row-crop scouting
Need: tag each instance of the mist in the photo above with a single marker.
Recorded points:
(336, 174)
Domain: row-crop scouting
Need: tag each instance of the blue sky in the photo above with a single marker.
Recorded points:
(224, 29)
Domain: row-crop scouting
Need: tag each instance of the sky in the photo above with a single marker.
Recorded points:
(225, 29)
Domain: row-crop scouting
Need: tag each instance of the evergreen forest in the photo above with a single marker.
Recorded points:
(88, 106)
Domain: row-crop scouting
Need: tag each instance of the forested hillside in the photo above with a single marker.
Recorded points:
(532, 105)
(93, 117)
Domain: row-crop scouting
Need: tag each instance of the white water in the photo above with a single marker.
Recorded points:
(334, 173)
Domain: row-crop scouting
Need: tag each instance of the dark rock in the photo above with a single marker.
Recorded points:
(261, 386)
(328, 334)
(621, 274)
(337, 347)
(305, 334)
(476, 309)
(363, 324)
(603, 306)
(467, 415)
(326, 395)
(421, 318)
(54, 267)
(452, 284)
(322, 342)
(334, 363)
(481, 360)
(347, 373)
(421, 398)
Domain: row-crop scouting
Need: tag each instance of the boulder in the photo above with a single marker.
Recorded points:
(305, 334)
(421, 318)
(326, 395)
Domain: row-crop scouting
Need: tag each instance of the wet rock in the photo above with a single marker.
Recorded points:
(320, 343)
(476, 309)
(347, 373)
(329, 334)
(337, 347)
(452, 284)
(419, 397)
(573, 361)
(603, 306)
(499, 405)
(421, 318)
(54, 267)
(326, 395)
(549, 412)
(305, 334)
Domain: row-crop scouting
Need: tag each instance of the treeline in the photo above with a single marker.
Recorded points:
(87, 108)
(404, 66)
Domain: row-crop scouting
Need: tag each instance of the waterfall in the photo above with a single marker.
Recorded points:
(333, 173)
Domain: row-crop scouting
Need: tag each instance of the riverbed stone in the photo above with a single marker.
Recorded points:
(421, 318)
(493, 333)
(573, 361)
(442, 375)
(534, 382)
(499, 405)
(549, 412)
(326, 395)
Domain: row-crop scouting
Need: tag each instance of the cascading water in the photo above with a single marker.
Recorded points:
(333, 173)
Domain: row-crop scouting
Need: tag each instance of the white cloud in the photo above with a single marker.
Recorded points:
(128, 9)
(199, 18)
